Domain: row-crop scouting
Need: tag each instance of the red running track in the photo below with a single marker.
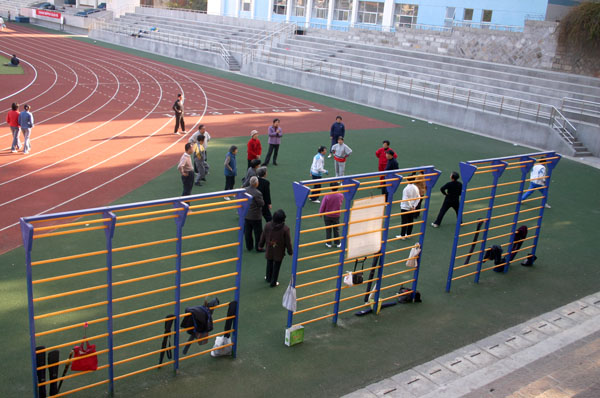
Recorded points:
(103, 123)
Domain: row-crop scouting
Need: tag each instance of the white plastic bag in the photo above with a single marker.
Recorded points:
(289, 297)
(219, 342)
(413, 256)
(348, 279)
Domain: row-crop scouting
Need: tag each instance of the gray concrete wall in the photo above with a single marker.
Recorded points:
(535, 47)
(495, 126)
(161, 48)
(590, 137)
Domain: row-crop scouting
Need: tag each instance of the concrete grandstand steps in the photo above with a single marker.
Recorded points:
(384, 56)
(224, 34)
(464, 80)
(517, 70)
(547, 84)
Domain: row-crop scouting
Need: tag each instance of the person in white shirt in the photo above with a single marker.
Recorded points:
(201, 131)
(410, 201)
(186, 170)
(317, 169)
(537, 181)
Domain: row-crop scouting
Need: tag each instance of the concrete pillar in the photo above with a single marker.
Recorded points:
(288, 10)
(388, 15)
(308, 12)
(77, 3)
(236, 9)
(330, 13)
(354, 15)
(270, 11)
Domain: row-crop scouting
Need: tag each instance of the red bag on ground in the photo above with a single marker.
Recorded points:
(84, 364)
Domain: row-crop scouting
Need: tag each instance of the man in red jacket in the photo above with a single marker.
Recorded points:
(381, 155)
(12, 118)
(254, 147)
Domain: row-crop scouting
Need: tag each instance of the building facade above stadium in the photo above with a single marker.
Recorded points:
(387, 15)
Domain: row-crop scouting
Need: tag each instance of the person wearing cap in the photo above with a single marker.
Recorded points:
(254, 147)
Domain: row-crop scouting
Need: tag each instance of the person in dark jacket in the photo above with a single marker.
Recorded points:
(451, 191)
(276, 239)
(178, 109)
(337, 130)
(392, 164)
(253, 221)
(264, 186)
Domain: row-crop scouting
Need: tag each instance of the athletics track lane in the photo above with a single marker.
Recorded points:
(104, 124)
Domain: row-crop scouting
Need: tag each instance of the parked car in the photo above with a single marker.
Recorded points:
(85, 13)
(45, 6)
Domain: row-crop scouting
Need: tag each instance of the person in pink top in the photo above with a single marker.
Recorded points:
(332, 203)
(12, 118)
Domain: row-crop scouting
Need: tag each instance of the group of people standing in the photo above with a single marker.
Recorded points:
(20, 122)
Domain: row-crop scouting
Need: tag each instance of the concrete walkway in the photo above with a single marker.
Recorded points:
(555, 355)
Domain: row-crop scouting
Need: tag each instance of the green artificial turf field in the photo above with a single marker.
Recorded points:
(335, 360)
(9, 70)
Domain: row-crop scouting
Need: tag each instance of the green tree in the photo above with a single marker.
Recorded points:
(580, 28)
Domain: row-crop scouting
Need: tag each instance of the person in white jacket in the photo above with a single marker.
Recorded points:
(410, 201)
(317, 169)
(537, 181)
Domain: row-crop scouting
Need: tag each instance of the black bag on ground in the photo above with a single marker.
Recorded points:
(357, 278)
(407, 298)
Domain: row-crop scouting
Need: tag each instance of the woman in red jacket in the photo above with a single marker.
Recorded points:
(12, 118)
(254, 147)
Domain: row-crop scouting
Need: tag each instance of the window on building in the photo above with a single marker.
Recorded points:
(299, 8)
(320, 9)
(279, 6)
(468, 15)
(342, 10)
(486, 16)
(370, 12)
(246, 4)
(449, 19)
(486, 19)
(405, 15)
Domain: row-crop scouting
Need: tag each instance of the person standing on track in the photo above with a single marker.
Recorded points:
(275, 134)
(178, 109)
(26, 123)
(186, 170)
(12, 118)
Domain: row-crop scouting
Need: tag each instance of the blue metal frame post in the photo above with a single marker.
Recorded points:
(391, 190)
(501, 166)
(432, 181)
(238, 265)
(549, 168)
(525, 169)
(110, 233)
(348, 197)
(179, 223)
(466, 171)
(301, 193)
(27, 234)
